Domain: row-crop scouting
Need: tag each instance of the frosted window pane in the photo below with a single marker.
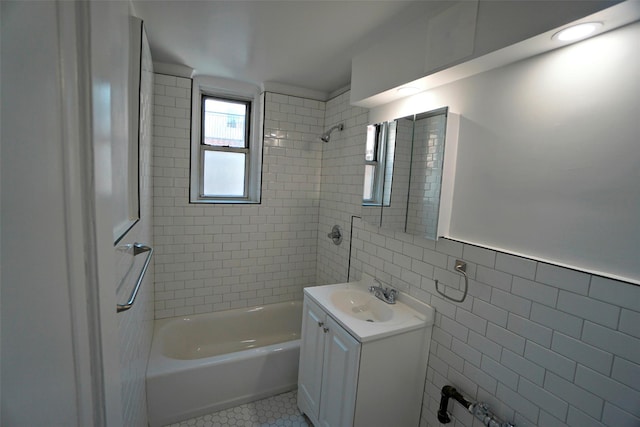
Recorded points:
(369, 177)
(223, 174)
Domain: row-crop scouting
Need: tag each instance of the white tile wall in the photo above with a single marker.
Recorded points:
(135, 326)
(544, 352)
(217, 257)
(341, 190)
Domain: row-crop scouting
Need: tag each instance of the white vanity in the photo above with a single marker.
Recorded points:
(362, 361)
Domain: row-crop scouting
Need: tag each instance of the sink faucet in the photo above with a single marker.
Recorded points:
(387, 295)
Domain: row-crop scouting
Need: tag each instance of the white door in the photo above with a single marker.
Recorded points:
(60, 356)
(311, 354)
(340, 377)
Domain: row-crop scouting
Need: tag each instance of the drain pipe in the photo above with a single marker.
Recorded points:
(478, 409)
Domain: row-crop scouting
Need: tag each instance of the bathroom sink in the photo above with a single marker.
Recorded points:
(361, 305)
(366, 317)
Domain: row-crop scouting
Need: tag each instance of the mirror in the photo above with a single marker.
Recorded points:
(404, 161)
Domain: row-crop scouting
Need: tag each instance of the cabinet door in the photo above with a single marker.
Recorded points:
(339, 377)
(311, 354)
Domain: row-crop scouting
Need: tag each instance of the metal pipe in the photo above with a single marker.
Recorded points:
(325, 137)
(478, 409)
(448, 392)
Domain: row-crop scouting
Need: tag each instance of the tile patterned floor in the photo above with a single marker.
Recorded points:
(276, 411)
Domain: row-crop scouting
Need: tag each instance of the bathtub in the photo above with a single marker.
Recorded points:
(205, 363)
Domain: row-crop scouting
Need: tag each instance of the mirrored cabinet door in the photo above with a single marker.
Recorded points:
(403, 173)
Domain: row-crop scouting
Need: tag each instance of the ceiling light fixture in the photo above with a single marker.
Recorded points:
(408, 90)
(577, 32)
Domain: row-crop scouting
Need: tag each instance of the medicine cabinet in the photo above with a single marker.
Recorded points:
(404, 171)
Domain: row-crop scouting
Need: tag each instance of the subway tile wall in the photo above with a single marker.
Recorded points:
(341, 190)
(217, 257)
(135, 326)
(543, 345)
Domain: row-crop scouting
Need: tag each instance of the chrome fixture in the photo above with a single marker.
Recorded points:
(325, 137)
(387, 295)
(460, 267)
(138, 248)
(336, 235)
(478, 409)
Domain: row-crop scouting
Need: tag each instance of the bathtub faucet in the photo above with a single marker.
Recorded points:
(387, 295)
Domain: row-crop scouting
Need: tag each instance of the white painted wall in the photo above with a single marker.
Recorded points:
(452, 34)
(547, 157)
(36, 302)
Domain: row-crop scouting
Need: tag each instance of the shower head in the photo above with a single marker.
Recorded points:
(325, 137)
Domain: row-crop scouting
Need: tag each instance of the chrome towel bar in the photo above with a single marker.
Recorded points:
(138, 248)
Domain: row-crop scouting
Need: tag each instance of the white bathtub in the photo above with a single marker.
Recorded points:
(205, 363)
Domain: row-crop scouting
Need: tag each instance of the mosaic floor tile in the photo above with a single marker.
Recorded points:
(276, 411)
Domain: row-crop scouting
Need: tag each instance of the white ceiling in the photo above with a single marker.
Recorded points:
(303, 43)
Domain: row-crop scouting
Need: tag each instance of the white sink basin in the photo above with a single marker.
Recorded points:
(365, 316)
(361, 305)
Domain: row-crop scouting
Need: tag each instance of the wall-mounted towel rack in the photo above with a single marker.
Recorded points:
(460, 267)
(138, 248)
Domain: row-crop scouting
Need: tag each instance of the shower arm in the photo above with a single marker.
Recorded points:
(325, 137)
(478, 409)
(336, 127)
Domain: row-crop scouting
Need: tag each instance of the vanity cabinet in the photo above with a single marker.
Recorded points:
(343, 381)
(328, 372)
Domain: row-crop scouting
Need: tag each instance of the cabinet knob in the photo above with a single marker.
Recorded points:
(320, 324)
(325, 330)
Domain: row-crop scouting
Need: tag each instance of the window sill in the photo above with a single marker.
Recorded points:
(225, 202)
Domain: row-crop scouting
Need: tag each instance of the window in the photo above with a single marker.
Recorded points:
(226, 148)
(378, 167)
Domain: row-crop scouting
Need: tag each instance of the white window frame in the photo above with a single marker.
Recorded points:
(233, 90)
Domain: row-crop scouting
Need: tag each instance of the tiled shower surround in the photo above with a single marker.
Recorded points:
(217, 257)
(543, 345)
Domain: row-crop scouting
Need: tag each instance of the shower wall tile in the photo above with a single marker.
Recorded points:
(341, 187)
(217, 257)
